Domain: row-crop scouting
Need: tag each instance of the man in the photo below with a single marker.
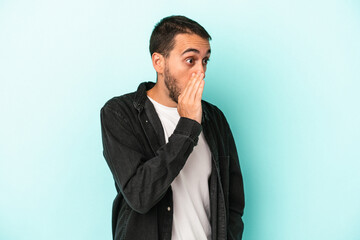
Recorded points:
(172, 155)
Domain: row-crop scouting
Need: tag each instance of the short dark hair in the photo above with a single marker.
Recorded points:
(162, 38)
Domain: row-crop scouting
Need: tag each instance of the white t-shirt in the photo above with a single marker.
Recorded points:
(191, 213)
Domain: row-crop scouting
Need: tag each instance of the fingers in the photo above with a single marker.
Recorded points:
(196, 85)
(192, 86)
(189, 101)
(189, 84)
(200, 90)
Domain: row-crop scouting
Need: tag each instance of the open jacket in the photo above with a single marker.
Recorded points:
(144, 165)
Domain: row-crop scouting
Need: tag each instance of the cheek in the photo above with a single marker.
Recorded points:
(183, 78)
(187, 77)
(182, 74)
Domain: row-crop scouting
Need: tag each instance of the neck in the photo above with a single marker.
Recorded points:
(160, 94)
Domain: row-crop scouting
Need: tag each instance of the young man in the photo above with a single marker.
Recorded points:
(172, 155)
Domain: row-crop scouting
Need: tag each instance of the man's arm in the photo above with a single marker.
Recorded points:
(143, 182)
(236, 192)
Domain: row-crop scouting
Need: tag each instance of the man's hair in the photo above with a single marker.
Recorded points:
(162, 39)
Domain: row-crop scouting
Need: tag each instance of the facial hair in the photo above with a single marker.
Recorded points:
(171, 84)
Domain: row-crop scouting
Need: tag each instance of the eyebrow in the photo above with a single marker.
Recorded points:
(194, 50)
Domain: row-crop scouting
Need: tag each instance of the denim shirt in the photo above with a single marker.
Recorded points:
(144, 165)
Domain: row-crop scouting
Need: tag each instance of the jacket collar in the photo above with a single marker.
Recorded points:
(141, 95)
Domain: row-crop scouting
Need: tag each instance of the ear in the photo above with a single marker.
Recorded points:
(158, 62)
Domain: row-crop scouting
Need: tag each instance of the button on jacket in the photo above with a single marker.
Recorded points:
(144, 165)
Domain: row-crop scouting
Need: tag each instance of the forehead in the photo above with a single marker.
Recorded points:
(185, 41)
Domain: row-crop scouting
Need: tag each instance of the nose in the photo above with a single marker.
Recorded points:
(200, 67)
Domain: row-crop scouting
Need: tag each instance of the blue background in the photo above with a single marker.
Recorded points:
(285, 73)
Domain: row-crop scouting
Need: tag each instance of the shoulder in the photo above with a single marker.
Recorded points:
(212, 111)
(120, 103)
(215, 117)
(119, 109)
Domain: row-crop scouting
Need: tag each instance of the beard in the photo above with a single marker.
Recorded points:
(171, 85)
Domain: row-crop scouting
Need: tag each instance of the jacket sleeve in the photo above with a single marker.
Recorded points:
(143, 182)
(236, 192)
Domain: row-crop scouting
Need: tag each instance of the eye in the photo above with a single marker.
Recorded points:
(190, 60)
(206, 61)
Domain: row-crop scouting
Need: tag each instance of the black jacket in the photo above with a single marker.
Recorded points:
(144, 166)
